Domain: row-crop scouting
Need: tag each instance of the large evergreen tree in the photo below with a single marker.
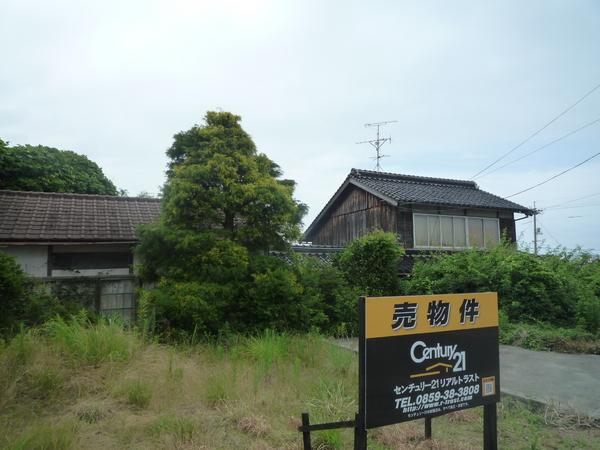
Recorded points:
(217, 181)
(224, 206)
(46, 169)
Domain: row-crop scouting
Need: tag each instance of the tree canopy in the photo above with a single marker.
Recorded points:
(47, 169)
(217, 181)
(224, 206)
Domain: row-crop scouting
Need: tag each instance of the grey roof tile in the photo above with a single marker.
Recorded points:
(43, 216)
(412, 189)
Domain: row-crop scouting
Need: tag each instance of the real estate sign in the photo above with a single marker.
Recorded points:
(427, 355)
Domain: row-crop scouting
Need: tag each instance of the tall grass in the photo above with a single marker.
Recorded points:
(92, 344)
(47, 437)
(14, 359)
(268, 349)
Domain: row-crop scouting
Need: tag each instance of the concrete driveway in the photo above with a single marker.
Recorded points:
(563, 380)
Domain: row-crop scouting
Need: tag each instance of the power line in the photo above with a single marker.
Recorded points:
(571, 207)
(555, 176)
(564, 136)
(566, 202)
(550, 234)
(535, 133)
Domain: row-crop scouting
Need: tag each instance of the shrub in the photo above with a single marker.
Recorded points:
(336, 297)
(529, 287)
(549, 338)
(370, 263)
(179, 309)
(277, 299)
(22, 300)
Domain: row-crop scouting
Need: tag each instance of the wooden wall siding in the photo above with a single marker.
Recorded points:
(355, 214)
(508, 226)
(404, 228)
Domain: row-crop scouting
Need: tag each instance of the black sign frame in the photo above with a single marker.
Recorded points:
(490, 410)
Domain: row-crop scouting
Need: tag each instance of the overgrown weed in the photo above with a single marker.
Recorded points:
(138, 394)
(87, 343)
(61, 436)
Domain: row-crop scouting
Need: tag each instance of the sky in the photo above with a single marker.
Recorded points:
(465, 81)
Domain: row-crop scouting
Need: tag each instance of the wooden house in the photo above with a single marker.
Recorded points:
(80, 245)
(425, 213)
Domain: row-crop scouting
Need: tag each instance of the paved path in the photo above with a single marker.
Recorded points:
(567, 381)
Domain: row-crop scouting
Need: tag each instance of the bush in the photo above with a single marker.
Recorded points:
(370, 263)
(549, 338)
(530, 288)
(337, 299)
(22, 300)
(179, 309)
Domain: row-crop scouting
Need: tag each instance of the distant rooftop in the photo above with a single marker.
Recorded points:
(400, 189)
(57, 217)
(428, 190)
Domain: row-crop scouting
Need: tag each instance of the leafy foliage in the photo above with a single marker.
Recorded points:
(22, 301)
(46, 169)
(559, 288)
(217, 181)
(371, 263)
(224, 206)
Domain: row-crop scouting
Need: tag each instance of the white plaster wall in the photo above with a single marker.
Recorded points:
(32, 258)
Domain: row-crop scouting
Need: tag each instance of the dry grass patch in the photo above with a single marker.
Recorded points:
(253, 425)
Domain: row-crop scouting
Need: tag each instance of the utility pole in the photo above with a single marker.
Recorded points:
(536, 230)
(378, 142)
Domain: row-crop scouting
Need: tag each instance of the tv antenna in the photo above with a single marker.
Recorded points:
(378, 142)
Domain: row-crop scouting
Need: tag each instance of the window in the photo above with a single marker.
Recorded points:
(438, 231)
(91, 260)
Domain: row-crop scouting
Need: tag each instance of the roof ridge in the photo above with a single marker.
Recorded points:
(358, 173)
(70, 194)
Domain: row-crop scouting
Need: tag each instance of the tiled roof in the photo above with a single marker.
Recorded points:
(410, 189)
(404, 190)
(54, 217)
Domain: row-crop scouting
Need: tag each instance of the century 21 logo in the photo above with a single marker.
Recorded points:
(419, 352)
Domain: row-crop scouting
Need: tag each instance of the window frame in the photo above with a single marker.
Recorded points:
(466, 222)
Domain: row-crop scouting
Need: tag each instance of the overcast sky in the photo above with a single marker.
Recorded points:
(466, 81)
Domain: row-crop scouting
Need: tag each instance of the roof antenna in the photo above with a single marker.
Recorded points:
(378, 143)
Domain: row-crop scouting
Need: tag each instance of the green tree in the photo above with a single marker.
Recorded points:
(224, 206)
(217, 181)
(46, 169)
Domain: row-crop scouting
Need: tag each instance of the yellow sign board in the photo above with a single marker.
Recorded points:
(418, 314)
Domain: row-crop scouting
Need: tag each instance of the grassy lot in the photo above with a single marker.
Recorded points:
(70, 386)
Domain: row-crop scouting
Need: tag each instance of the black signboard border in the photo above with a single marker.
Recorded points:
(490, 429)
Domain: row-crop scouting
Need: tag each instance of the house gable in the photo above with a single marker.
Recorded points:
(371, 200)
